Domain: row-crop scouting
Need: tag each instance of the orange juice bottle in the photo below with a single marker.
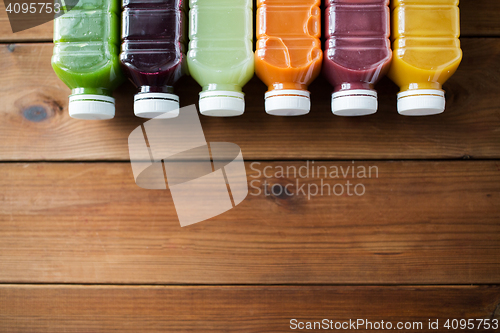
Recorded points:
(426, 53)
(289, 55)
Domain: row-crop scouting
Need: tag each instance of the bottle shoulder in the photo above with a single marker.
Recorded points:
(87, 26)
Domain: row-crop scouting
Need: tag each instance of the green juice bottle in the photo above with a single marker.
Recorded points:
(220, 56)
(86, 49)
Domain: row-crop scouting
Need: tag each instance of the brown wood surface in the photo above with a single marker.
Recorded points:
(432, 223)
(34, 124)
(235, 309)
(478, 18)
(418, 223)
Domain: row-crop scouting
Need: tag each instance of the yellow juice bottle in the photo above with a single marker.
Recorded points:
(426, 53)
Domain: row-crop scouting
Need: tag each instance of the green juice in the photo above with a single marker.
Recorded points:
(86, 49)
(220, 56)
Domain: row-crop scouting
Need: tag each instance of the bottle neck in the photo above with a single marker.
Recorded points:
(222, 87)
(154, 89)
(422, 85)
(287, 86)
(354, 86)
(91, 91)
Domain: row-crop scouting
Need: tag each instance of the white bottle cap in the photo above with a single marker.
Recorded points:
(421, 102)
(151, 105)
(91, 107)
(222, 103)
(288, 102)
(351, 103)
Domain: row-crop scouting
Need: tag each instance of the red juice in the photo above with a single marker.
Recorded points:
(153, 53)
(357, 53)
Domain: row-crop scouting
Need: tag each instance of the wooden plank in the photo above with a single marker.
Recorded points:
(478, 18)
(237, 309)
(417, 223)
(34, 124)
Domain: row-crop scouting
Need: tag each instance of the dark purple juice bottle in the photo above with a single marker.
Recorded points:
(357, 53)
(153, 53)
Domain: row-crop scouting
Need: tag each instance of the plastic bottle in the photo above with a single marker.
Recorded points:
(220, 56)
(358, 53)
(426, 53)
(86, 57)
(289, 55)
(153, 53)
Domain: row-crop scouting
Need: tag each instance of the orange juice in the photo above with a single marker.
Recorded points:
(426, 53)
(289, 55)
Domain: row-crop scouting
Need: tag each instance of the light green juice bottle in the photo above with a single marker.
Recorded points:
(220, 56)
(86, 48)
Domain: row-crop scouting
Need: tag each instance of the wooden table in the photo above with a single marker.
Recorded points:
(83, 249)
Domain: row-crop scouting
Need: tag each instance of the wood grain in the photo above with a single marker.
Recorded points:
(417, 223)
(34, 124)
(234, 309)
(428, 222)
(478, 18)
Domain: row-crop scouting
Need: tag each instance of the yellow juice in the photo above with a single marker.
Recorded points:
(426, 53)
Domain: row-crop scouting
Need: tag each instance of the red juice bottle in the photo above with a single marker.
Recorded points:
(358, 53)
(153, 53)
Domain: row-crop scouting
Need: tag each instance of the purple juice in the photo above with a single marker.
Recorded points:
(357, 53)
(153, 53)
